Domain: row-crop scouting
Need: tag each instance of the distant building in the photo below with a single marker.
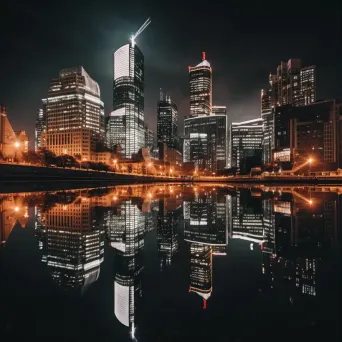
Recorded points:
(219, 110)
(167, 122)
(128, 100)
(40, 125)
(307, 131)
(115, 131)
(12, 144)
(245, 145)
(74, 115)
(205, 141)
(267, 117)
(149, 138)
(292, 84)
(200, 79)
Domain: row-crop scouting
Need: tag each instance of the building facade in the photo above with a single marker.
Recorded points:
(167, 122)
(267, 117)
(12, 144)
(245, 145)
(74, 115)
(149, 138)
(292, 84)
(200, 80)
(40, 125)
(128, 100)
(205, 141)
(307, 131)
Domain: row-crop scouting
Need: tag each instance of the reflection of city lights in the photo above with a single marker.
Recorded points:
(150, 195)
(310, 201)
(114, 198)
(16, 209)
(17, 144)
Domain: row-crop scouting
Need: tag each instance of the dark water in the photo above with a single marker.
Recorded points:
(171, 263)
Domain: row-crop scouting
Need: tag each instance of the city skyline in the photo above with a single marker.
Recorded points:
(166, 58)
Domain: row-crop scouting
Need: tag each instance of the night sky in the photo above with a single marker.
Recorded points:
(243, 44)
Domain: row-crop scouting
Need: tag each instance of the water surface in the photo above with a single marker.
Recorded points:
(171, 263)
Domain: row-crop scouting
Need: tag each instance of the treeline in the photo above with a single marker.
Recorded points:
(47, 158)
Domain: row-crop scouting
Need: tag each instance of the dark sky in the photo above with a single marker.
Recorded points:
(243, 44)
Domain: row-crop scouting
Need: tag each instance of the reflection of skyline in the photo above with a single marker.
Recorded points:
(71, 238)
(292, 228)
(125, 230)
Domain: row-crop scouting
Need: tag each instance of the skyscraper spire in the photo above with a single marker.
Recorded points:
(161, 94)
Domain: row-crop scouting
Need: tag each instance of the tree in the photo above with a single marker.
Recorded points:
(33, 158)
(48, 157)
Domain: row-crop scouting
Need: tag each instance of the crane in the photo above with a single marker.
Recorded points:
(140, 31)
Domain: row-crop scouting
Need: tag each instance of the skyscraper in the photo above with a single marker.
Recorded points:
(74, 114)
(128, 100)
(292, 84)
(205, 141)
(40, 125)
(167, 122)
(149, 138)
(245, 144)
(200, 79)
(267, 117)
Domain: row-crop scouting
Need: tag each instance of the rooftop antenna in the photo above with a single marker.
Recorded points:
(161, 94)
(203, 56)
(140, 31)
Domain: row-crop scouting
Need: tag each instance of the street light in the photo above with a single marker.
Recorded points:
(16, 146)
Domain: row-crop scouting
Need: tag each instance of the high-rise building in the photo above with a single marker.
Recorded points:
(219, 110)
(308, 85)
(267, 117)
(200, 78)
(167, 122)
(128, 100)
(149, 138)
(40, 125)
(307, 131)
(74, 114)
(292, 84)
(245, 145)
(205, 141)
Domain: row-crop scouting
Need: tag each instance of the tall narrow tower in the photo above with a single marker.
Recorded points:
(128, 98)
(200, 79)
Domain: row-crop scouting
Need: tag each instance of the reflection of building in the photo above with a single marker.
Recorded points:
(125, 230)
(12, 144)
(74, 114)
(12, 210)
(166, 233)
(245, 145)
(72, 241)
(206, 232)
(200, 79)
(167, 122)
(247, 218)
(128, 101)
(201, 270)
(205, 141)
(303, 232)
